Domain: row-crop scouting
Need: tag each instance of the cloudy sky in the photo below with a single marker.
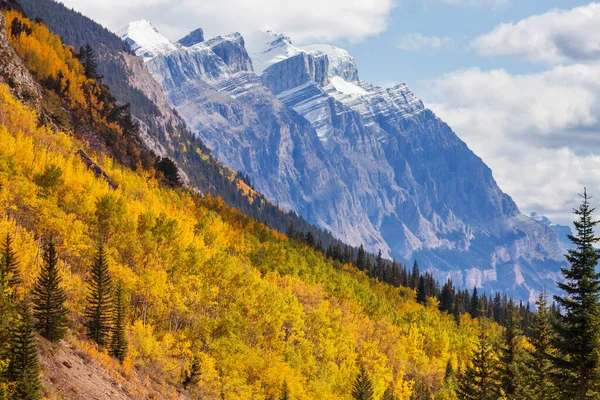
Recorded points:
(518, 80)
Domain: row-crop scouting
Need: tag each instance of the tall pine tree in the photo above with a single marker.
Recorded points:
(480, 379)
(49, 298)
(577, 328)
(9, 269)
(511, 360)
(540, 370)
(23, 368)
(118, 343)
(363, 388)
(99, 311)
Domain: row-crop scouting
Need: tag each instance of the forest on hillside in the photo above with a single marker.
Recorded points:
(151, 278)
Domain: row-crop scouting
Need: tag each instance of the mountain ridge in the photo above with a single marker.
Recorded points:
(389, 173)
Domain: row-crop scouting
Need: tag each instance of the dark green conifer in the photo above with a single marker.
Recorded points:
(480, 380)
(511, 360)
(9, 270)
(474, 304)
(23, 367)
(578, 328)
(414, 277)
(49, 298)
(540, 369)
(118, 343)
(363, 388)
(99, 311)
(421, 291)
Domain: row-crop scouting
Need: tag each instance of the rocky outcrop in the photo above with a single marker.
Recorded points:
(295, 71)
(194, 37)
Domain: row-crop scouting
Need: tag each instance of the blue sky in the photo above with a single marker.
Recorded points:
(517, 80)
(381, 62)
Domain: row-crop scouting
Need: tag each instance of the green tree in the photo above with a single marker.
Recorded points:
(480, 379)
(23, 367)
(511, 359)
(363, 388)
(539, 367)
(474, 304)
(285, 392)
(421, 291)
(118, 343)
(9, 270)
(577, 328)
(99, 311)
(49, 298)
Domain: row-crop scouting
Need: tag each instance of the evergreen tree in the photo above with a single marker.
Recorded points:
(577, 339)
(9, 270)
(49, 298)
(480, 380)
(539, 365)
(118, 343)
(99, 309)
(510, 355)
(285, 393)
(474, 304)
(414, 277)
(310, 239)
(361, 258)
(23, 367)
(89, 62)
(447, 297)
(363, 388)
(421, 291)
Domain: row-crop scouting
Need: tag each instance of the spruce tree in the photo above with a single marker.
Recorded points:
(414, 277)
(361, 258)
(421, 291)
(99, 309)
(9, 270)
(49, 298)
(363, 388)
(480, 379)
(540, 369)
(474, 304)
(285, 392)
(23, 367)
(118, 343)
(577, 339)
(511, 355)
(447, 297)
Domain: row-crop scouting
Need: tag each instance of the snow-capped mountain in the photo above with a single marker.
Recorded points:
(373, 165)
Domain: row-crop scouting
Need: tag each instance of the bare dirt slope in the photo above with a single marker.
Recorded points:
(69, 372)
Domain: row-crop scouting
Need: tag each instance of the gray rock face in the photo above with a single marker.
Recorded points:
(370, 164)
(194, 37)
(297, 70)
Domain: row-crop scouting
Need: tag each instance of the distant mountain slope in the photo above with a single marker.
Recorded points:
(162, 129)
(373, 165)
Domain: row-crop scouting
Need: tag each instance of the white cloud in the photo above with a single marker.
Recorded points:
(540, 133)
(307, 20)
(471, 2)
(416, 42)
(557, 36)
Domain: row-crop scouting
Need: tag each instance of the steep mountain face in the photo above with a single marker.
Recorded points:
(370, 164)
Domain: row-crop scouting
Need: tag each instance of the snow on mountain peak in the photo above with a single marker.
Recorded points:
(145, 40)
(341, 63)
(268, 47)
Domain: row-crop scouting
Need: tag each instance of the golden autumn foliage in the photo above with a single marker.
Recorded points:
(205, 281)
(88, 101)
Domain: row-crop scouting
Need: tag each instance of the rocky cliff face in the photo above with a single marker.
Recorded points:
(370, 164)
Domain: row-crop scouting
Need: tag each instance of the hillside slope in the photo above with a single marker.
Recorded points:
(204, 283)
(372, 165)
